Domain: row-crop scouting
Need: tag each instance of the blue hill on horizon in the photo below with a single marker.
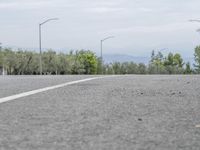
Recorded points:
(110, 58)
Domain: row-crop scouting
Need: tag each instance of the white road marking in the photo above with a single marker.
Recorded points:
(25, 94)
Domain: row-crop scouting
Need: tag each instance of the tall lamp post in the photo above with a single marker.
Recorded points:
(2, 61)
(40, 40)
(102, 51)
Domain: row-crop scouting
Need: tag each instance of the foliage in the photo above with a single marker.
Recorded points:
(197, 59)
(188, 69)
(171, 64)
(86, 62)
(27, 62)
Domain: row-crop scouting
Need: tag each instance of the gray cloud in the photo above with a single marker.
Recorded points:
(139, 25)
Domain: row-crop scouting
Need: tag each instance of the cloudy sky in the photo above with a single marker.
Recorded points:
(139, 26)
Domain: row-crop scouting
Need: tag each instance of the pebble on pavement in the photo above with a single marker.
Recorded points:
(197, 126)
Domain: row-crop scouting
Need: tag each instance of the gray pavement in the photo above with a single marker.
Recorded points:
(10, 85)
(118, 113)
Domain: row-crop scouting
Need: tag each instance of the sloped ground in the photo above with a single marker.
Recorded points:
(126, 112)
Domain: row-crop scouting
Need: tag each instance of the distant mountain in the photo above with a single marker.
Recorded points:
(109, 58)
(125, 58)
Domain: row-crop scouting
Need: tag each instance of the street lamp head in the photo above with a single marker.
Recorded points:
(198, 30)
(109, 37)
(194, 20)
(51, 19)
(54, 19)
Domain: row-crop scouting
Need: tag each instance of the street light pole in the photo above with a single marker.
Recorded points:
(40, 46)
(40, 40)
(102, 51)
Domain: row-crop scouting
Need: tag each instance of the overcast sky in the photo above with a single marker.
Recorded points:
(139, 26)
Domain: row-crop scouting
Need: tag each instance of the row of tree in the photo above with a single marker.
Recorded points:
(86, 62)
(27, 62)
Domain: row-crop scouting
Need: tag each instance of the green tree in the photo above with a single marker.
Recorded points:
(63, 65)
(108, 69)
(116, 67)
(85, 62)
(169, 60)
(9, 60)
(77, 67)
(178, 61)
(49, 62)
(152, 56)
(156, 65)
(132, 68)
(124, 68)
(174, 64)
(197, 59)
(1, 57)
(188, 69)
(1, 60)
(99, 66)
(142, 68)
(33, 67)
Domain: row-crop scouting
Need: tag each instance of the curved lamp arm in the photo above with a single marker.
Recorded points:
(48, 20)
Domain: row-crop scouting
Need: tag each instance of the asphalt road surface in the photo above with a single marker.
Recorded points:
(112, 113)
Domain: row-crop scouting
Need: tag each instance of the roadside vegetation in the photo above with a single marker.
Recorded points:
(22, 62)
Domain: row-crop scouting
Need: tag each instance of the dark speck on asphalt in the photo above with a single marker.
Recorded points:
(173, 93)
